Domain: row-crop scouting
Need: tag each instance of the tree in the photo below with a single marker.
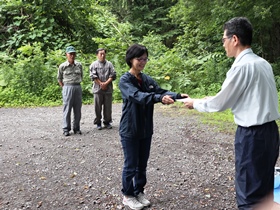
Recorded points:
(147, 16)
(55, 23)
(200, 43)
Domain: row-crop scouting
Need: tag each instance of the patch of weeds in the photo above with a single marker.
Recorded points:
(220, 121)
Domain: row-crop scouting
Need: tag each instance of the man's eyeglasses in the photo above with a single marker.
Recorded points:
(142, 59)
(224, 39)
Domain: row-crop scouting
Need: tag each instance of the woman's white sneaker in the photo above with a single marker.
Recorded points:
(141, 198)
(132, 202)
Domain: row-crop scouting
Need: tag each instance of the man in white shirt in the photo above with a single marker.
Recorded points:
(249, 90)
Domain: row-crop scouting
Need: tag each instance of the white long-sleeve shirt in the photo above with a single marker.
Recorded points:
(249, 90)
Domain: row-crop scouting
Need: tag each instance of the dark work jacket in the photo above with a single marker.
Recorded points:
(138, 105)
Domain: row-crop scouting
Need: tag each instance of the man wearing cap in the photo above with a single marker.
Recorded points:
(69, 76)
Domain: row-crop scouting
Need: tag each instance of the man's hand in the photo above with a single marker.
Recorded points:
(60, 83)
(103, 85)
(183, 95)
(189, 103)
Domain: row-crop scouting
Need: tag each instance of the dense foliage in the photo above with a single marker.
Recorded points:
(183, 38)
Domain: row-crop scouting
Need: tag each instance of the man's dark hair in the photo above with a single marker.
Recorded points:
(99, 49)
(135, 51)
(240, 27)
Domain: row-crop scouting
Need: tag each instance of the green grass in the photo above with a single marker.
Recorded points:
(221, 121)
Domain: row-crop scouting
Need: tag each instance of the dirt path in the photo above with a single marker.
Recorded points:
(190, 167)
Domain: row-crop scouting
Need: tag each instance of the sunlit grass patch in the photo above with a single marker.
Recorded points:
(221, 121)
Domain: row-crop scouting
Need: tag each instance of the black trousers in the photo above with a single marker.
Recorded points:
(256, 153)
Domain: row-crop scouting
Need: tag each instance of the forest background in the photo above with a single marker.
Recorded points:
(183, 38)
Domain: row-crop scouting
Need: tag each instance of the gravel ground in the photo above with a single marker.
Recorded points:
(191, 165)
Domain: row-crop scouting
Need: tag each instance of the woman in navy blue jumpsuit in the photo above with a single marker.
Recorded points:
(139, 93)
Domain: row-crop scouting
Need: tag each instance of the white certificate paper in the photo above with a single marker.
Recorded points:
(182, 100)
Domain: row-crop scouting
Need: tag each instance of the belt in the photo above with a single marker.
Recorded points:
(71, 84)
(255, 126)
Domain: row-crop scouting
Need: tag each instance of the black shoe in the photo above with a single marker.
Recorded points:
(99, 127)
(78, 132)
(66, 133)
(108, 126)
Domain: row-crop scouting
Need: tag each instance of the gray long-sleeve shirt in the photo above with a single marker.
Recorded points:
(103, 71)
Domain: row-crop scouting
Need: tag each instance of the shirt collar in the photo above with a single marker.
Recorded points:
(68, 64)
(244, 52)
(102, 62)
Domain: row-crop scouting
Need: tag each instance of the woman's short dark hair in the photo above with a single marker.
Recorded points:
(135, 51)
(99, 49)
(240, 27)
